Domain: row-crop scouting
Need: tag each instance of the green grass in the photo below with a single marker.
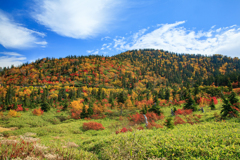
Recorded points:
(206, 140)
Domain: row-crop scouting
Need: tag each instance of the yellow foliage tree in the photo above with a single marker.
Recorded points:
(76, 105)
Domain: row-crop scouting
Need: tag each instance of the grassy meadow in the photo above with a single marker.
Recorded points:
(54, 135)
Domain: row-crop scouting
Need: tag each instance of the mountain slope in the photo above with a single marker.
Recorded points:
(127, 70)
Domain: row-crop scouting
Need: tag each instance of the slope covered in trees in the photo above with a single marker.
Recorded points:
(184, 68)
(150, 67)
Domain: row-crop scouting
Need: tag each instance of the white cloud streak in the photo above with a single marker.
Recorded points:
(76, 18)
(11, 58)
(172, 37)
(14, 35)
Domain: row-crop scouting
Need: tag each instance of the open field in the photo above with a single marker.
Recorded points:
(65, 137)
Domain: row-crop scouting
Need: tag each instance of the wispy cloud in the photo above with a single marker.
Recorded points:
(176, 38)
(76, 19)
(93, 51)
(11, 58)
(14, 35)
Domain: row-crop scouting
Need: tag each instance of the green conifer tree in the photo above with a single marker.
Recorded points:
(169, 123)
(121, 99)
(212, 105)
(229, 84)
(190, 103)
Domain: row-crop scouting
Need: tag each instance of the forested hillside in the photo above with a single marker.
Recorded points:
(150, 67)
(184, 68)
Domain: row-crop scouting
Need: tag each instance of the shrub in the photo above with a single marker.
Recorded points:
(178, 120)
(19, 108)
(45, 106)
(139, 118)
(153, 124)
(191, 119)
(76, 114)
(14, 113)
(38, 112)
(169, 123)
(136, 118)
(93, 126)
(140, 128)
(183, 112)
(97, 116)
(123, 130)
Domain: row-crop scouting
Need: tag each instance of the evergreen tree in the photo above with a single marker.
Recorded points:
(229, 84)
(212, 105)
(144, 110)
(121, 99)
(83, 114)
(238, 81)
(45, 107)
(90, 110)
(160, 94)
(233, 99)
(190, 103)
(156, 109)
(169, 123)
(167, 94)
(227, 109)
(65, 105)
(196, 89)
(155, 100)
(174, 92)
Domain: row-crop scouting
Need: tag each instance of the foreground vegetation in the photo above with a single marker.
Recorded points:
(56, 135)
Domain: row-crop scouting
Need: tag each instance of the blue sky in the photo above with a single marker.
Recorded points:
(34, 29)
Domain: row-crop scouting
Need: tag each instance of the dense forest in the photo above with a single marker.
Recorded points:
(150, 67)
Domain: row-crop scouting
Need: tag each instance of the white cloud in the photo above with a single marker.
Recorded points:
(172, 37)
(14, 35)
(11, 58)
(76, 18)
(96, 52)
(90, 51)
(105, 38)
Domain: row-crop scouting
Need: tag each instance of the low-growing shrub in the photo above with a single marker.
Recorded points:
(93, 126)
(19, 108)
(13, 113)
(123, 130)
(140, 128)
(153, 124)
(98, 116)
(183, 112)
(191, 119)
(139, 118)
(38, 112)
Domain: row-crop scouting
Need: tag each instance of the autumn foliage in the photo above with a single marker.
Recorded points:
(123, 130)
(38, 112)
(93, 126)
(13, 113)
(139, 118)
